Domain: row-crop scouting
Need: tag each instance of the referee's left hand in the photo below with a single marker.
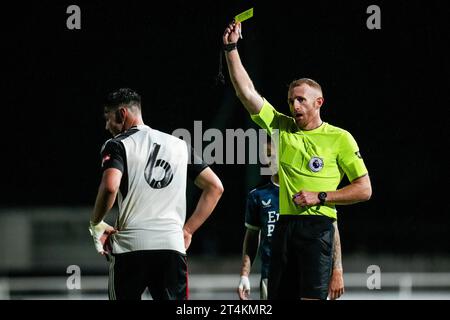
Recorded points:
(306, 198)
(336, 286)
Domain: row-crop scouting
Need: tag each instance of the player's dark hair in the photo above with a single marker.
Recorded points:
(122, 97)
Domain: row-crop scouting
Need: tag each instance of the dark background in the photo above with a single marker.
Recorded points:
(388, 87)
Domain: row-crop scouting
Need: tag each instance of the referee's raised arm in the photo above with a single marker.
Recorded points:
(242, 83)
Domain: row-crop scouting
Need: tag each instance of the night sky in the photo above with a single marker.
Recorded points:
(388, 87)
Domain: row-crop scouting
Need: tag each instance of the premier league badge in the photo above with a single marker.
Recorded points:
(315, 164)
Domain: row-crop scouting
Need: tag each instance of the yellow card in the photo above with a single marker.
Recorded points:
(244, 15)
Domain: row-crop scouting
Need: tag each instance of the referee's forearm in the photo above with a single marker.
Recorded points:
(238, 75)
(337, 253)
(243, 85)
(358, 191)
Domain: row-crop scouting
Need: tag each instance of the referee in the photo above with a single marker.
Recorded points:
(147, 170)
(313, 158)
(261, 215)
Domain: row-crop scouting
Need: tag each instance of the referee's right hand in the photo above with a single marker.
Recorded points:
(231, 34)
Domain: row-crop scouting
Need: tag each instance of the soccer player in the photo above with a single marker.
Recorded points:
(147, 170)
(313, 157)
(261, 216)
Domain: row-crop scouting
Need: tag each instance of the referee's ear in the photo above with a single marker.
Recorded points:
(319, 101)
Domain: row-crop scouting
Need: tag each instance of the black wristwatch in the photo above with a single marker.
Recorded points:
(322, 197)
(230, 46)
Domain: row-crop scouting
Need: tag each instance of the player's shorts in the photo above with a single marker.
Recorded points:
(301, 260)
(163, 272)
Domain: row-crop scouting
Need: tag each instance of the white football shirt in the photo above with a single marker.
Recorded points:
(152, 195)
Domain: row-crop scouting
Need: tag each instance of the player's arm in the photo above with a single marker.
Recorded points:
(242, 83)
(113, 154)
(249, 250)
(336, 287)
(212, 188)
(106, 196)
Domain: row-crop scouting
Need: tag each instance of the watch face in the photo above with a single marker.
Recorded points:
(322, 195)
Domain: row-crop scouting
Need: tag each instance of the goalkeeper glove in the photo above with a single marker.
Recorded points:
(99, 233)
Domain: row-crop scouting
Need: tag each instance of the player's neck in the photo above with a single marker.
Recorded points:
(134, 122)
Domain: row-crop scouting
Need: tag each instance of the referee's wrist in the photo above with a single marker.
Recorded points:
(230, 46)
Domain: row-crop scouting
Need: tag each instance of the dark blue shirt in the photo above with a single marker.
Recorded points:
(261, 214)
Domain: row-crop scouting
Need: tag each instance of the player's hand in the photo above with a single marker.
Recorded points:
(187, 238)
(244, 288)
(336, 286)
(100, 232)
(232, 32)
(306, 198)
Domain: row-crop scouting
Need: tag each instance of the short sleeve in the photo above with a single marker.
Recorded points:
(268, 118)
(271, 120)
(195, 165)
(349, 157)
(113, 155)
(251, 213)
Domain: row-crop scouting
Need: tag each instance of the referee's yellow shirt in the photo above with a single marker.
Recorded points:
(311, 160)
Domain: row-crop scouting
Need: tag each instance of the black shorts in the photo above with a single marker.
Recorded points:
(301, 260)
(163, 272)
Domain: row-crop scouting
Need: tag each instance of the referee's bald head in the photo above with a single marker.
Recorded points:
(310, 82)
